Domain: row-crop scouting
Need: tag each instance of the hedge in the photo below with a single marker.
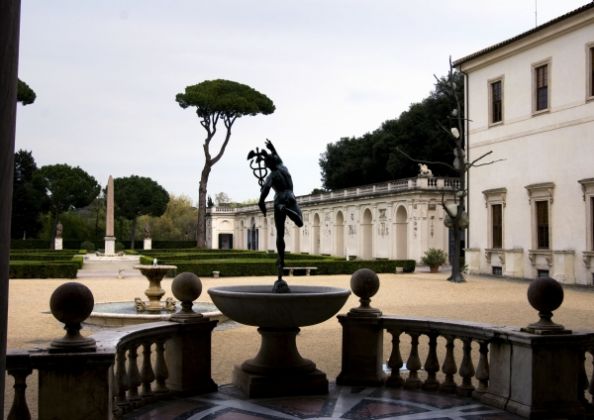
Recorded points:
(261, 267)
(42, 270)
(29, 244)
(196, 255)
(41, 257)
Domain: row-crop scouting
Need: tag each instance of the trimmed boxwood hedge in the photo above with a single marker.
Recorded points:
(41, 257)
(42, 263)
(42, 269)
(262, 267)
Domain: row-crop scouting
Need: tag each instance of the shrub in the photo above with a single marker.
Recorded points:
(88, 245)
(119, 246)
(434, 257)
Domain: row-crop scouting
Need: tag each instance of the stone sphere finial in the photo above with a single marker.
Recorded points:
(545, 295)
(72, 303)
(186, 287)
(365, 284)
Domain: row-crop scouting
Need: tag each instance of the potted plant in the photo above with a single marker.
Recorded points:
(434, 258)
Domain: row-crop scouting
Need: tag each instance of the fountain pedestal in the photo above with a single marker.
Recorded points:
(154, 274)
(278, 369)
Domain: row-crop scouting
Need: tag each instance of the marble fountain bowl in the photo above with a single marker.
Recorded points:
(278, 369)
(257, 305)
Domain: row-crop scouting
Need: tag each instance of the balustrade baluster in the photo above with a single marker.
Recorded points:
(591, 388)
(413, 364)
(161, 372)
(395, 361)
(449, 367)
(482, 369)
(147, 375)
(121, 378)
(133, 373)
(431, 364)
(19, 409)
(466, 368)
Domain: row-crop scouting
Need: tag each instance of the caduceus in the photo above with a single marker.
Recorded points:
(258, 165)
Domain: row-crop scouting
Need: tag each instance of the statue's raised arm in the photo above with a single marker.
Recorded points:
(272, 149)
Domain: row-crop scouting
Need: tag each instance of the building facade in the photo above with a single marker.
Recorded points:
(530, 100)
(395, 220)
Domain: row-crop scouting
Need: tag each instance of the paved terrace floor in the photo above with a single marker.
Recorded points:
(342, 402)
(494, 301)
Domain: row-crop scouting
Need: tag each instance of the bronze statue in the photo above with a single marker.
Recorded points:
(285, 204)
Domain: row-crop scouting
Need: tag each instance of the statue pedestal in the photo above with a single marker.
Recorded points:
(58, 244)
(110, 245)
(148, 243)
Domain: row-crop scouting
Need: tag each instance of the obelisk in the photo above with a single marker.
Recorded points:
(109, 236)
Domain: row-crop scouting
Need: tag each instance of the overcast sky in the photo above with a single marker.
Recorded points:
(106, 74)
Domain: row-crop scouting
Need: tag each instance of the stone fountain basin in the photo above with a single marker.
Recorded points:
(256, 305)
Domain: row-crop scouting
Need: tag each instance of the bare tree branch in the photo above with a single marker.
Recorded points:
(488, 163)
(428, 162)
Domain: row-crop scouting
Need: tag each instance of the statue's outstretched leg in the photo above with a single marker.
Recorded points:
(280, 286)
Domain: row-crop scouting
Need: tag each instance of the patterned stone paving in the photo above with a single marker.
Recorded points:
(342, 402)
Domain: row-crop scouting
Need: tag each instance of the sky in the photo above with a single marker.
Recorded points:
(106, 74)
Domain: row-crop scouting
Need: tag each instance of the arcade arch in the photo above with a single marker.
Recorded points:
(339, 235)
(401, 233)
(367, 235)
(316, 234)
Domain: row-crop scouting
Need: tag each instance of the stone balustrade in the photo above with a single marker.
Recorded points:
(463, 334)
(537, 372)
(528, 374)
(131, 367)
(406, 184)
(535, 375)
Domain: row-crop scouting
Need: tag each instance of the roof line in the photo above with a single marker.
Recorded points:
(494, 47)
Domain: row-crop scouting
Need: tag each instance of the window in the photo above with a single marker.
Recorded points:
(497, 271)
(591, 71)
(496, 94)
(542, 224)
(541, 84)
(497, 225)
(495, 203)
(541, 200)
(591, 227)
(588, 196)
(542, 274)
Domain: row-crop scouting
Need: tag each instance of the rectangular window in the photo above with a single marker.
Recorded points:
(497, 271)
(591, 75)
(542, 224)
(497, 225)
(591, 223)
(496, 102)
(541, 74)
(542, 274)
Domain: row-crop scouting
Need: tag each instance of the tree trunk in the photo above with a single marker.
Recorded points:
(201, 228)
(9, 53)
(457, 275)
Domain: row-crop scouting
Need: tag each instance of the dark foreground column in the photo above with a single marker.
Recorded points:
(9, 52)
